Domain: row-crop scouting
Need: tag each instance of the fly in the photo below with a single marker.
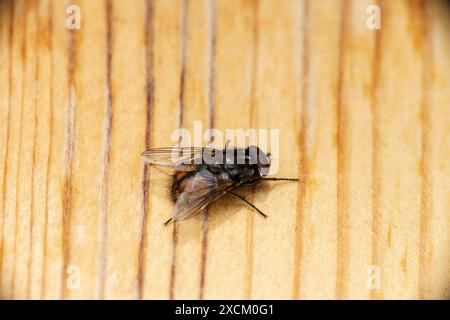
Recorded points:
(203, 175)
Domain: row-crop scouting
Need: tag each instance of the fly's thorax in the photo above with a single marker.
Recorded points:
(225, 176)
(241, 172)
(236, 156)
(215, 168)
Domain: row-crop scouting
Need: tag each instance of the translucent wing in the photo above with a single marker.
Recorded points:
(201, 190)
(179, 159)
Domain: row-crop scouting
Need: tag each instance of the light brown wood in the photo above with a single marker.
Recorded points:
(364, 119)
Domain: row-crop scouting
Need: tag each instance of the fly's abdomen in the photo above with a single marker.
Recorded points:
(180, 179)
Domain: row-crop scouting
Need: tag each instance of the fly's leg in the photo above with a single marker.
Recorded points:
(247, 202)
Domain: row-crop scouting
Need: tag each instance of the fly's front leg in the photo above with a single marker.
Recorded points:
(247, 202)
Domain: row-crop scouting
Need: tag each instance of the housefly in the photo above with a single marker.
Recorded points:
(203, 175)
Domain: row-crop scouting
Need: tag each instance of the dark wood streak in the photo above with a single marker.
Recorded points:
(149, 32)
(183, 36)
(33, 176)
(106, 153)
(212, 62)
(68, 162)
(22, 99)
(426, 185)
(204, 245)
(342, 202)
(174, 261)
(50, 148)
(303, 159)
(253, 123)
(376, 143)
(211, 91)
(5, 169)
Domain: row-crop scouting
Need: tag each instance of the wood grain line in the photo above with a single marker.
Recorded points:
(106, 154)
(149, 32)
(253, 124)
(33, 178)
(5, 169)
(22, 99)
(183, 38)
(342, 239)
(212, 61)
(303, 159)
(174, 261)
(376, 177)
(50, 149)
(211, 96)
(426, 188)
(204, 245)
(68, 161)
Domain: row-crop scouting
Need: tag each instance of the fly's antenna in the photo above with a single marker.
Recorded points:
(280, 179)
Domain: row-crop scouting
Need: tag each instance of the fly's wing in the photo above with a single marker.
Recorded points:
(200, 191)
(179, 159)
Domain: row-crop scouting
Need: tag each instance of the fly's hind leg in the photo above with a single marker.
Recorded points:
(247, 202)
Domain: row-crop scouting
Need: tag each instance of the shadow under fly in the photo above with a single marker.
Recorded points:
(203, 175)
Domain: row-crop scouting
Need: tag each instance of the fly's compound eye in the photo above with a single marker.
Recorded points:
(264, 169)
(258, 157)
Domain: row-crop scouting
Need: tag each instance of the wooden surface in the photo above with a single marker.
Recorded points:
(364, 116)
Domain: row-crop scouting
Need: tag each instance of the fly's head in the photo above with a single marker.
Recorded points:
(258, 158)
